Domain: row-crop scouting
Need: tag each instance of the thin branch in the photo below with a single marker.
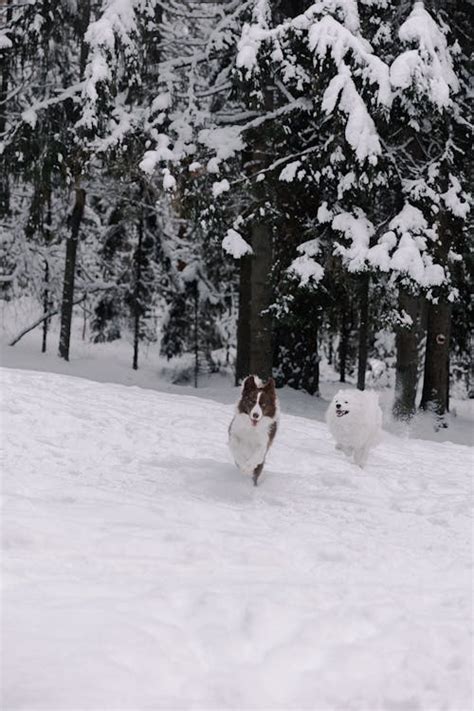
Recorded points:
(41, 319)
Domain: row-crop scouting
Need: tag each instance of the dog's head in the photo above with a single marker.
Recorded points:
(341, 404)
(258, 399)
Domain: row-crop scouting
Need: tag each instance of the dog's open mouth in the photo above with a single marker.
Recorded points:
(254, 422)
(341, 413)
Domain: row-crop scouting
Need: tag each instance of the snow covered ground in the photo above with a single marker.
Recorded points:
(111, 362)
(142, 571)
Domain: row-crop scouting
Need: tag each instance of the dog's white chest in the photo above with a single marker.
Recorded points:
(245, 439)
(346, 428)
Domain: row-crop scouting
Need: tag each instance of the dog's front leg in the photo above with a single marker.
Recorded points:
(256, 473)
(360, 456)
(257, 459)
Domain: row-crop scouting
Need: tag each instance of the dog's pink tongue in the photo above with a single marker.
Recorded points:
(254, 423)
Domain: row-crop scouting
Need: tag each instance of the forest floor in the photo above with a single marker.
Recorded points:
(142, 571)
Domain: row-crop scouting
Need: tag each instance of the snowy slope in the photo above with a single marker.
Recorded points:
(141, 571)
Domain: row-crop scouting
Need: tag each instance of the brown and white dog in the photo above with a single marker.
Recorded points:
(254, 425)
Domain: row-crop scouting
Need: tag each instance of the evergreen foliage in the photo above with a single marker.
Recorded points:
(307, 160)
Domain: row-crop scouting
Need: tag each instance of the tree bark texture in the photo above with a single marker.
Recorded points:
(310, 374)
(435, 395)
(436, 372)
(136, 295)
(255, 337)
(261, 351)
(254, 327)
(406, 369)
(5, 71)
(363, 349)
(242, 368)
(343, 345)
(196, 333)
(70, 273)
(46, 306)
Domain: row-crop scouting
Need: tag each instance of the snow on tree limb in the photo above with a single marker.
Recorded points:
(428, 68)
(235, 245)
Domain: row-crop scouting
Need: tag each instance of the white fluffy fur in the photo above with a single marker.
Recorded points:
(358, 430)
(248, 443)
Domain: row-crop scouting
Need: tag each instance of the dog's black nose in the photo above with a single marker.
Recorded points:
(338, 406)
(255, 416)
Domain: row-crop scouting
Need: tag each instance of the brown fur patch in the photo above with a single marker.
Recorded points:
(256, 473)
(250, 393)
(272, 432)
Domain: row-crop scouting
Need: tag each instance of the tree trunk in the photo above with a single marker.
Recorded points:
(330, 349)
(196, 333)
(406, 370)
(435, 395)
(242, 366)
(363, 330)
(85, 18)
(136, 295)
(70, 273)
(343, 345)
(84, 320)
(45, 306)
(261, 352)
(254, 326)
(310, 372)
(255, 336)
(436, 373)
(5, 72)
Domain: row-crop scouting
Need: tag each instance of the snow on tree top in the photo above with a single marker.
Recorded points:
(289, 171)
(224, 141)
(220, 187)
(306, 269)
(235, 245)
(428, 68)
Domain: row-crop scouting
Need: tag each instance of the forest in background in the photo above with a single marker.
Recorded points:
(258, 184)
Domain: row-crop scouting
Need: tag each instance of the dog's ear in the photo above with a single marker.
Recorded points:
(269, 385)
(248, 384)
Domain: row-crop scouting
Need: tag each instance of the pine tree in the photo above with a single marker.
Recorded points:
(430, 104)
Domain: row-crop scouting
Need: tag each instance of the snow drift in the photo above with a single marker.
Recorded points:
(142, 571)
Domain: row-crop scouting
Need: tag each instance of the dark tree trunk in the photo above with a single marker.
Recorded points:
(343, 345)
(310, 374)
(406, 372)
(46, 306)
(136, 295)
(196, 333)
(261, 353)
(5, 72)
(255, 336)
(242, 366)
(84, 320)
(70, 273)
(363, 330)
(254, 326)
(436, 373)
(85, 18)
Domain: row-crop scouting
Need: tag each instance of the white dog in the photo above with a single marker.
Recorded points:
(354, 419)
